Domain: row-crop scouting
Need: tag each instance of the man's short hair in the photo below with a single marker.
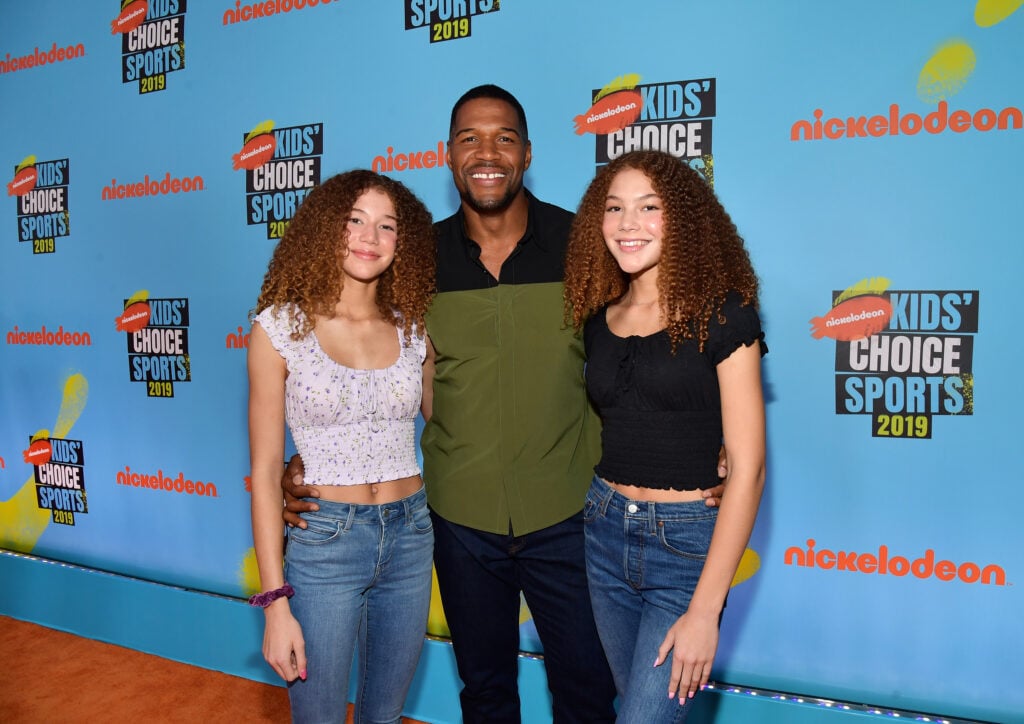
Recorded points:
(492, 92)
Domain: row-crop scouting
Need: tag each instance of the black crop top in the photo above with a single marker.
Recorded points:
(661, 413)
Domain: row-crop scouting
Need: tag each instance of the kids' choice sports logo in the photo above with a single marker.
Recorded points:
(281, 166)
(447, 19)
(902, 356)
(152, 41)
(41, 191)
(674, 116)
(59, 471)
(157, 331)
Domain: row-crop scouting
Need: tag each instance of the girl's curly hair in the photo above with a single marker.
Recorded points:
(702, 254)
(305, 269)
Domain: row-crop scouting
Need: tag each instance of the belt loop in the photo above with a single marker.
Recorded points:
(652, 517)
(350, 518)
(606, 497)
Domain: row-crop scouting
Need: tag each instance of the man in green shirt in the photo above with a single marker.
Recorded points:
(511, 441)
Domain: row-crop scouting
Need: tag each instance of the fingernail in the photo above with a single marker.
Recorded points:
(690, 695)
(302, 674)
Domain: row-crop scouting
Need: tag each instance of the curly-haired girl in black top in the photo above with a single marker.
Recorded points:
(658, 277)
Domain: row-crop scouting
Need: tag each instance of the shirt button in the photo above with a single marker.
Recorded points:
(632, 508)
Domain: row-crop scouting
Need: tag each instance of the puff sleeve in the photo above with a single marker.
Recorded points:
(742, 326)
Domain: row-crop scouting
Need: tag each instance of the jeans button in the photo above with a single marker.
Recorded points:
(632, 508)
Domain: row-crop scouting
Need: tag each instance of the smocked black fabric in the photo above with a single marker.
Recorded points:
(661, 412)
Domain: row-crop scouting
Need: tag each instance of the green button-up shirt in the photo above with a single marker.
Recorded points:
(513, 439)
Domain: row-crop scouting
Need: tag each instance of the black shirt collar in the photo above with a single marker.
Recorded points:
(530, 234)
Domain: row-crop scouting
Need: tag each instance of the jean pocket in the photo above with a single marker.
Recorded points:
(420, 519)
(689, 538)
(317, 531)
(591, 508)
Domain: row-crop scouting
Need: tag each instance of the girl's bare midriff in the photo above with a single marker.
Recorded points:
(371, 493)
(656, 495)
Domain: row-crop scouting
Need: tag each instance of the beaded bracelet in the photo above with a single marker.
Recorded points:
(262, 600)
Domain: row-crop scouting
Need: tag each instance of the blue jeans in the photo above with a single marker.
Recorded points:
(481, 575)
(360, 573)
(643, 563)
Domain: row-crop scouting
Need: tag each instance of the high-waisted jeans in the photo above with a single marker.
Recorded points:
(361, 573)
(643, 563)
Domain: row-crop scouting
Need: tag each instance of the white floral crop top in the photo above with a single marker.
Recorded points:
(349, 425)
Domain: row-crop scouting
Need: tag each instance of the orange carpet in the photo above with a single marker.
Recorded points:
(52, 676)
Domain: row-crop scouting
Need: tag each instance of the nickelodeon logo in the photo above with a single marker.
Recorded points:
(909, 124)
(254, 11)
(160, 481)
(432, 158)
(49, 337)
(882, 563)
(237, 340)
(41, 57)
(152, 187)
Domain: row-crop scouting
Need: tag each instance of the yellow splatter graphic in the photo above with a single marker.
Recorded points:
(139, 296)
(259, 129)
(750, 563)
(968, 393)
(708, 170)
(524, 610)
(28, 161)
(992, 12)
(437, 624)
(249, 574)
(871, 285)
(623, 82)
(76, 393)
(946, 72)
(21, 519)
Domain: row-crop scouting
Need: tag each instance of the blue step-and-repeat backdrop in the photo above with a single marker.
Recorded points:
(869, 152)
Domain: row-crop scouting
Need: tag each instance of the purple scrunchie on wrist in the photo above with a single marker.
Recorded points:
(262, 600)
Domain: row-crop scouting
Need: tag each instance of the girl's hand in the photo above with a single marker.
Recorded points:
(283, 645)
(693, 640)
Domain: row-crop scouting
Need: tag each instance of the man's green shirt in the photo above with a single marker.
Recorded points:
(513, 439)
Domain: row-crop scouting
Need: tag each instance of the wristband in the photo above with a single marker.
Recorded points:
(262, 600)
